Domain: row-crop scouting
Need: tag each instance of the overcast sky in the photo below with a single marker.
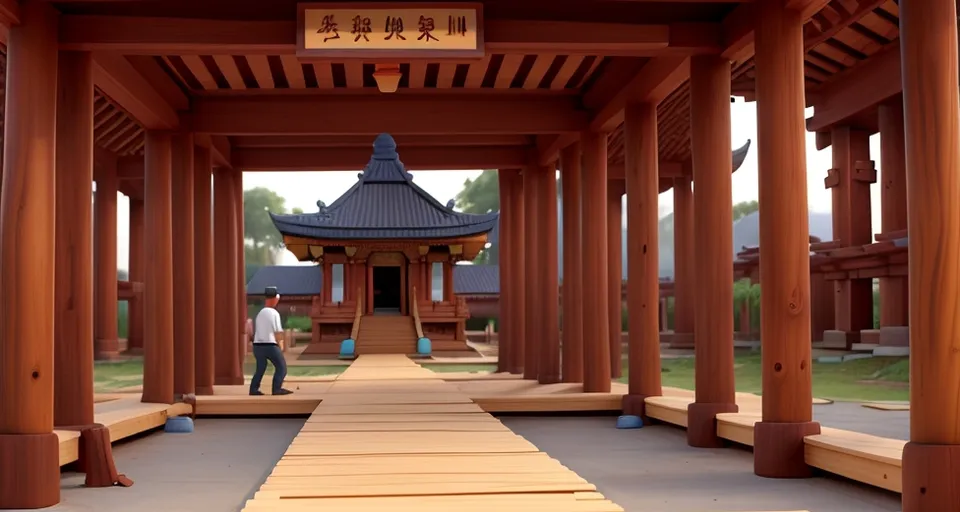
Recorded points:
(303, 189)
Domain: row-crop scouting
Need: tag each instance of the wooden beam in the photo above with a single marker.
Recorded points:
(186, 36)
(549, 146)
(344, 159)
(655, 80)
(9, 12)
(739, 24)
(220, 150)
(366, 141)
(865, 85)
(362, 115)
(119, 80)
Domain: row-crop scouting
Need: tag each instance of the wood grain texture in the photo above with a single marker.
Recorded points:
(184, 314)
(593, 208)
(531, 274)
(572, 287)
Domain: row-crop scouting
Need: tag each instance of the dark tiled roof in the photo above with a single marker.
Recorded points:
(476, 279)
(307, 280)
(740, 154)
(385, 204)
(289, 280)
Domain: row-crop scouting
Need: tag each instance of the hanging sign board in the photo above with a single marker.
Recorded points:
(381, 30)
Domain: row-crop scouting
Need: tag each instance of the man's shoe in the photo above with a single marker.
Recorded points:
(282, 391)
(256, 393)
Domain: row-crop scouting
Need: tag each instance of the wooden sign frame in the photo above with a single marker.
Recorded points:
(385, 54)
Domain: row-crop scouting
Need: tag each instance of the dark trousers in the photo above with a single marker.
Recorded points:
(268, 352)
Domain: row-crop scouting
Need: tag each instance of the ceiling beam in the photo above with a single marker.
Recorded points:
(856, 89)
(738, 26)
(119, 80)
(9, 12)
(185, 36)
(366, 141)
(363, 115)
(655, 80)
(549, 146)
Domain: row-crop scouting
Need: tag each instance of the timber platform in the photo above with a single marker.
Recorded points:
(391, 435)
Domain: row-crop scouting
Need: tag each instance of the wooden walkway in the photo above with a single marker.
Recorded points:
(391, 435)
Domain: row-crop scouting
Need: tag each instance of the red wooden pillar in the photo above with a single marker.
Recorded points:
(683, 298)
(713, 257)
(135, 305)
(572, 297)
(593, 211)
(183, 266)
(448, 295)
(506, 313)
(548, 295)
(643, 283)
(785, 245)
(29, 450)
(928, 47)
(204, 296)
(850, 181)
(518, 273)
(106, 343)
(240, 283)
(615, 191)
(531, 283)
(73, 349)
(894, 291)
(158, 351)
(227, 358)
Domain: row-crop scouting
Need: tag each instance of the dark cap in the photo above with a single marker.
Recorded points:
(270, 292)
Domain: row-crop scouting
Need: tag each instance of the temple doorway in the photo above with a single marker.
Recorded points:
(386, 290)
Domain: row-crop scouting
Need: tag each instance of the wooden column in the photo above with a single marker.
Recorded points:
(615, 191)
(849, 181)
(158, 351)
(73, 327)
(784, 247)
(448, 295)
(822, 313)
(106, 343)
(29, 450)
(572, 296)
(184, 381)
(548, 296)
(643, 266)
(136, 274)
(531, 274)
(240, 283)
(928, 48)
(593, 211)
(204, 295)
(713, 256)
(505, 245)
(227, 370)
(894, 292)
(683, 298)
(517, 262)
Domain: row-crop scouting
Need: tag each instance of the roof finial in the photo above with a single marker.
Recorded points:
(384, 147)
(321, 205)
(451, 203)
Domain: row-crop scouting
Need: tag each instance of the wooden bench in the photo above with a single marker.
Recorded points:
(862, 457)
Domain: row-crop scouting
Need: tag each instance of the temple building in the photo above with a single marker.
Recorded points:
(387, 253)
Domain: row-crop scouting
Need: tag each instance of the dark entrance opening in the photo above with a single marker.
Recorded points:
(386, 289)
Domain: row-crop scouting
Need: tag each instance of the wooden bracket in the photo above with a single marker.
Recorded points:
(833, 178)
(865, 171)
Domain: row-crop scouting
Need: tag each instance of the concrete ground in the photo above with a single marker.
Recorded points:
(653, 470)
(853, 416)
(215, 469)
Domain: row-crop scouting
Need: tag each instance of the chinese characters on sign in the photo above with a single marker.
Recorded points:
(391, 29)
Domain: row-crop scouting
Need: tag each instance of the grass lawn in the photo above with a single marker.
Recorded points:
(877, 378)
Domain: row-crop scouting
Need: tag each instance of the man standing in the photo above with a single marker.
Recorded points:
(267, 344)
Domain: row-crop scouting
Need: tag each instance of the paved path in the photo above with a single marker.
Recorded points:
(392, 435)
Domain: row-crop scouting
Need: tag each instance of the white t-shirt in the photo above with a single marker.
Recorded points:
(267, 323)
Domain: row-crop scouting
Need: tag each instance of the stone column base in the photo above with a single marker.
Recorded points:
(29, 470)
(895, 336)
(931, 473)
(702, 424)
(634, 405)
(840, 339)
(778, 449)
(106, 350)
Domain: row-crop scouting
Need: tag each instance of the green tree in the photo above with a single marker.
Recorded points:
(262, 237)
(296, 210)
(744, 208)
(480, 195)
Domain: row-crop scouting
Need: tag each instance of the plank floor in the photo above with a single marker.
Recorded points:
(391, 435)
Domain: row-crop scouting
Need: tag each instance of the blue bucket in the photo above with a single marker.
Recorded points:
(629, 421)
(178, 425)
(423, 346)
(347, 347)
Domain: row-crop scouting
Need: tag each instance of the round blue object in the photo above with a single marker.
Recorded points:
(423, 346)
(629, 421)
(347, 347)
(178, 425)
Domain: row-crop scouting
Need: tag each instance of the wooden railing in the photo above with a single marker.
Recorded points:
(416, 314)
(356, 320)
